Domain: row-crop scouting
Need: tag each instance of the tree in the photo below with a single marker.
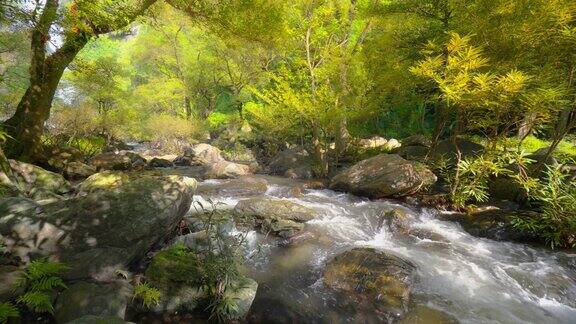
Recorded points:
(76, 23)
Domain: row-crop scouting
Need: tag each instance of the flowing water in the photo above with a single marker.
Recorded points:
(474, 280)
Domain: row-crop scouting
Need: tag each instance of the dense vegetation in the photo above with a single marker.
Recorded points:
(318, 73)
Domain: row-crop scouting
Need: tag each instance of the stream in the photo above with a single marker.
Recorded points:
(473, 280)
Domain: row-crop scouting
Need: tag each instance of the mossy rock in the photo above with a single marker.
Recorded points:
(34, 182)
(182, 277)
(372, 281)
(105, 180)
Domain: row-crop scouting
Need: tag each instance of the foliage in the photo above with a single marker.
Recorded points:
(149, 295)
(556, 199)
(40, 279)
(473, 181)
(7, 311)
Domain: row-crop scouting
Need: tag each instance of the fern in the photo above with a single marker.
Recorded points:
(37, 301)
(7, 311)
(39, 280)
(149, 295)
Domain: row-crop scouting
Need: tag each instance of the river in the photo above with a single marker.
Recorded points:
(472, 279)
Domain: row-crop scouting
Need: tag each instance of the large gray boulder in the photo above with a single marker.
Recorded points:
(385, 175)
(372, 281)
(96, 299)
(281, 217)
(99, 232)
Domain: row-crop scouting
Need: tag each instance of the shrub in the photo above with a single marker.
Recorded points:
(170, 130)
(555, 198)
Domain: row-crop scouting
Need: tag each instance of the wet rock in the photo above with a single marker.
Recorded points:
(99, 232)
(160, 163)
(299, 239)
(426, 315)
(227, 170)
(385, 175)
(396, 220)
(34, 182)
(494, 224)
(417, 140)
(275, 208)
(294, 163)
(372, 281)
(281, 217)
(85, 298)
(242, 187)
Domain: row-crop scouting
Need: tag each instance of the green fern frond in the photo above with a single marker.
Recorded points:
(7, 311)
(47, 283)
(37, 301)
(149, 295)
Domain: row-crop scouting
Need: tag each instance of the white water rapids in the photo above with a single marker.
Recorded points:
(474, 280)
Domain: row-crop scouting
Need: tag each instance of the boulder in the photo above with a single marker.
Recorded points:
(246, 186)
(227, 170)
(123, 160)
(392, 144)
(281, 217)
(447, 150)
(96, 299)
(396, 220)
(160, 163)
(180, 275)
(294, 163)
(34, 182)
(417, 140)
(203, 154)
(78, 170)
(373, 142)
(372, 281)
(416, 153)
(99, 232)
(385, 175)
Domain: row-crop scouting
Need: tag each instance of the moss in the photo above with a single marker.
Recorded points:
(174, 266)
(104, 180)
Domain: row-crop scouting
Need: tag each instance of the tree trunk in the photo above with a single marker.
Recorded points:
(26, 126)
(188, 108)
